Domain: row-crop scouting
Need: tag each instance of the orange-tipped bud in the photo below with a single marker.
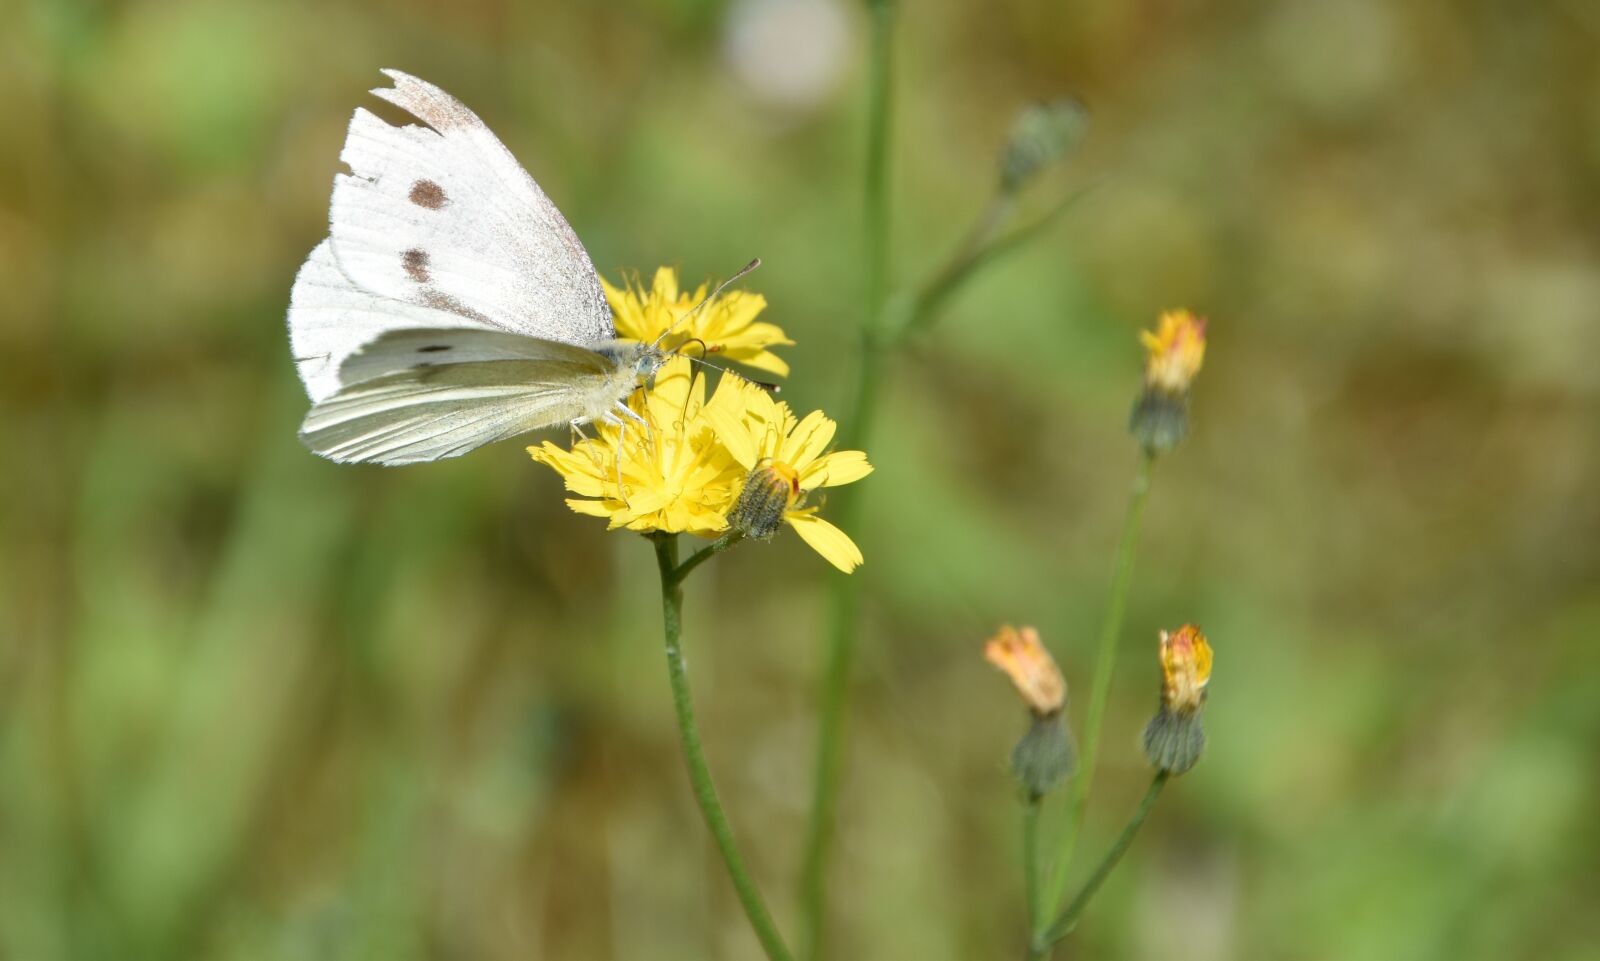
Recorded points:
(1031, 668)
(1174, 738)
(1176, 351)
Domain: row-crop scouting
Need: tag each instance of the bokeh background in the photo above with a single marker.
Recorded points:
(255, 705)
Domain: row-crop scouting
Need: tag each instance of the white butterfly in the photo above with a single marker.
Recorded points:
(451, 304)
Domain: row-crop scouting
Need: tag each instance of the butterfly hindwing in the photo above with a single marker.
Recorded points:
(401, 350)
(428, 412)
(331, 318)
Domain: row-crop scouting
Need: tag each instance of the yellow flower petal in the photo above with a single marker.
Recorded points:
(591, 508)
(664, 285)
(833, 544)
(832, 470)
(765, 360)
(809, 439)
(726, 413)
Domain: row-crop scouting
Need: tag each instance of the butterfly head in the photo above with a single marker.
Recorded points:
(647, 360)
(641, 361)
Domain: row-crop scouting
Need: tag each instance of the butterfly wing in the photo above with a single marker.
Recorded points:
(422, 395)
(437, 226)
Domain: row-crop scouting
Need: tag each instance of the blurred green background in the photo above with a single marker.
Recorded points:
(256, 705)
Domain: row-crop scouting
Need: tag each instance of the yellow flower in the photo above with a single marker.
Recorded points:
(673, 477)
(1176, 349)
(727, 325)
(784, 459)
(1029, 665)
(1185, 668)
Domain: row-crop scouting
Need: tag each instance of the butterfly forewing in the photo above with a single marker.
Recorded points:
(439, 219)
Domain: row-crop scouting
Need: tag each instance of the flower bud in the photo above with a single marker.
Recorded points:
(1031, 668)
(1044, 755)
(1040, 136)
(1176, 351)
(1174, 738)
(767, 494)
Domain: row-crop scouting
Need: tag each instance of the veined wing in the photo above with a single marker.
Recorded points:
(431, 412)
(399, 350)
(443, 219)
(331, 318)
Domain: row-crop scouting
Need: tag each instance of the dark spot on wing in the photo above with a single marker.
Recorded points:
(426, 193)
(439, 300)
(415, 261)
(433, 348)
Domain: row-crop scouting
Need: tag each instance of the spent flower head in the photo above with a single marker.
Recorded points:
(727, 325)
(784, 460)
(1175, 352)
(1174, 738)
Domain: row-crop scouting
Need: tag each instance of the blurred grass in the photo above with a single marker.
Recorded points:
(255, 705)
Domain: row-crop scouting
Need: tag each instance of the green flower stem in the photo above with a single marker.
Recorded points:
(967, 256)
(833, 698)
(704, 554)
(1030, 859)
(1069, 918)
(876, 196)
(984, 242)
(1105, 663)
(705, 792)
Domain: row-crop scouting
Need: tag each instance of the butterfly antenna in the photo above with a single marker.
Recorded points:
(767, 386)
(752, 265)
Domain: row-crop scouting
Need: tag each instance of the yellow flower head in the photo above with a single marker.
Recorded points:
(1029, 665)
(673, 477)
(1185, 669)
(1177, 349)
(783, 459)
(727, 325)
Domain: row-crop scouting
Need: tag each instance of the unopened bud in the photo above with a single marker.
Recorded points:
(767, 494)
(1176, 351)
(1174, 738)
(1031, 668)
(1041, 135)
(1044, 755)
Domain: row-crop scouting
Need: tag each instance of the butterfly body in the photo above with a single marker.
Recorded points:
(451, 304)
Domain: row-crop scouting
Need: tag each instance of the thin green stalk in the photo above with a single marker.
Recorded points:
(1105, 663)
(705, 554)
(1069, 918)
(959, 266)
(1030, 859)
(833, 699)
(876, 196)
(705, 792)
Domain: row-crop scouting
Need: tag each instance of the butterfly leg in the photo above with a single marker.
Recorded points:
(631, 413)
(622, 434)
(579, 434)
